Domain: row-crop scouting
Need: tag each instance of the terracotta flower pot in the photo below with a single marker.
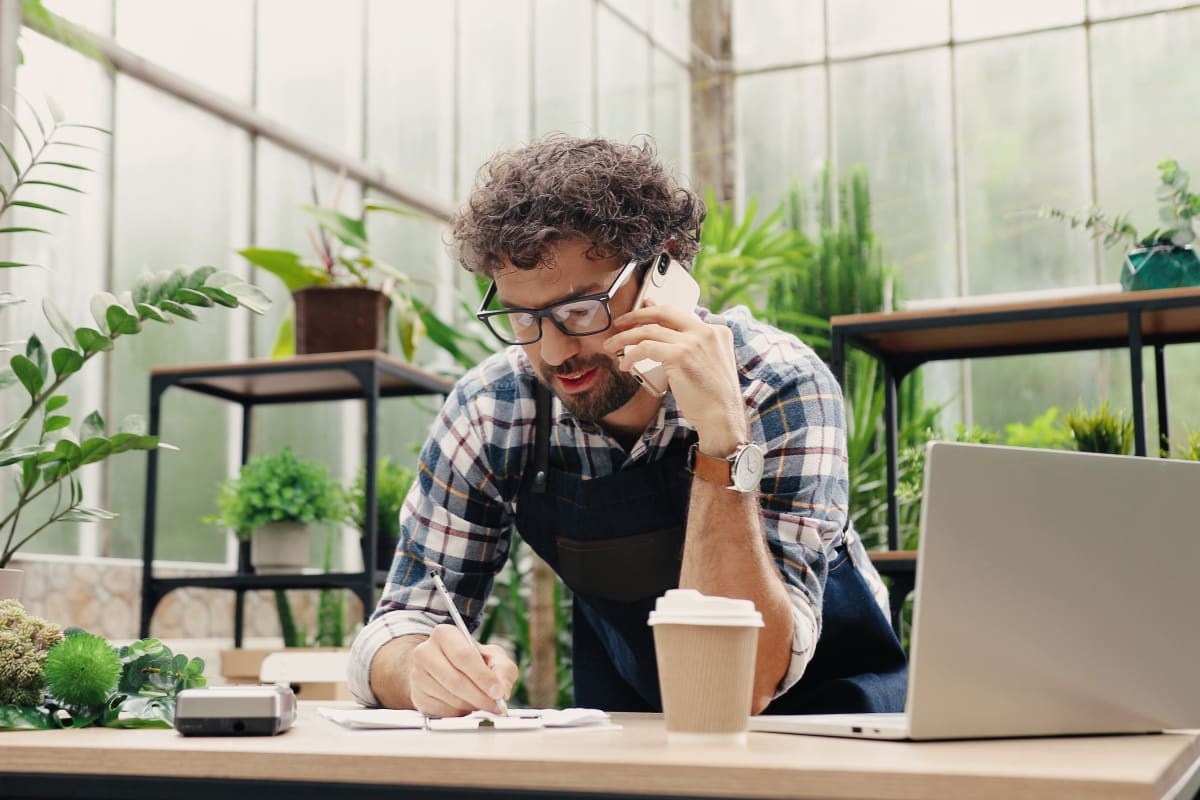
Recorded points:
(333, 319)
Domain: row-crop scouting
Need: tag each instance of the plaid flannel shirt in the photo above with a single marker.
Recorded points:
(459, 514)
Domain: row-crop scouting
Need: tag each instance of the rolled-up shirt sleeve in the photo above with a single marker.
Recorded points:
(453, 521)
(804, 492)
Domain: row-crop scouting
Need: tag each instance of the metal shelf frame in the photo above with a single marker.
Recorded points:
(362, 375)
(902, 341)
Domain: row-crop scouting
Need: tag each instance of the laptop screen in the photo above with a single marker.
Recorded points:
(1055, 594)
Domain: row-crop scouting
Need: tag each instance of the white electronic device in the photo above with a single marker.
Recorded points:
(245, 710)
(1055, 596)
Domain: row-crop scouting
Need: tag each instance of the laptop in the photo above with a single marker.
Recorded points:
(1055, 595)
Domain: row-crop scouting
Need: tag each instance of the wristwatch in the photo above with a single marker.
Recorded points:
(741, 471)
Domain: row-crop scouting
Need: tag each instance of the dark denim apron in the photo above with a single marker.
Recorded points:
(617, 542)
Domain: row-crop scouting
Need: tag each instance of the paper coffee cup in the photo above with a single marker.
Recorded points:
(705, 647)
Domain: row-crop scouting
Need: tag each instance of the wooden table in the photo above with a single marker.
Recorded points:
(319, 759)
(1103, 319)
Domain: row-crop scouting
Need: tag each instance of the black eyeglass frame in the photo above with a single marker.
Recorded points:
(547, 312)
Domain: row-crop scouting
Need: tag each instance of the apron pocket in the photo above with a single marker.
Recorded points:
(626, 569)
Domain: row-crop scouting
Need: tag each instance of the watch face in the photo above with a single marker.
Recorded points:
(748, 468)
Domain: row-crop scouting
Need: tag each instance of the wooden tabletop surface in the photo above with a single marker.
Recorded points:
(1038, 325)
(638, 758)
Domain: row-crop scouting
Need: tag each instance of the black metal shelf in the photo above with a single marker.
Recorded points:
(250, 582)
(363, 375)
(902, 341)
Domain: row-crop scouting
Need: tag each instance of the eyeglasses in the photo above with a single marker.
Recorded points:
(577, 316)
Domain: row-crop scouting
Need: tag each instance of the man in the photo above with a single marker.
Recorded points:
(625, 494)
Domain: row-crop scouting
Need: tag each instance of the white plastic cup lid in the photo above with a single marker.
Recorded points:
(689, 607)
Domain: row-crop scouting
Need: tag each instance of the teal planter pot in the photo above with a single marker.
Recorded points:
(1160, 267)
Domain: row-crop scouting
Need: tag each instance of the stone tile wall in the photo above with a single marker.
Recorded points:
(104, 597)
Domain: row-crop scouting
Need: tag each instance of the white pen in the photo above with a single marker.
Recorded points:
(501, 706)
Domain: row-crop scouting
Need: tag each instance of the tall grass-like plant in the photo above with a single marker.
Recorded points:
(331, 610)
(804, 263)
(846, 272)
(1100, 430)
(867, 454)
(1191, 450)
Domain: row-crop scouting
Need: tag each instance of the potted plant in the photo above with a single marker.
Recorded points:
(41, 443)
(392, 483)
(341, 303)
(272, 501)
(1161, 259)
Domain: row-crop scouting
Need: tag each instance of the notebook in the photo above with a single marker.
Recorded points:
(1055, 595)
(516, 719)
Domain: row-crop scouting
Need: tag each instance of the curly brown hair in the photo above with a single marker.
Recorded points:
(618, 197)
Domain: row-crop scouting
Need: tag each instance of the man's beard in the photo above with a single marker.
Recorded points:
(610, 389)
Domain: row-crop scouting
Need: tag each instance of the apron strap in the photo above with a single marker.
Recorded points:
(541, 437)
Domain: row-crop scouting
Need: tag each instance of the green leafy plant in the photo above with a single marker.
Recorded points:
(1100, 430)
(467, 342)
(278, 487)
(738, 258)
(45, 152)
(344, 258)
(392, 483)
(40, 443)
(1045, 431)
(1178, 210)
(49, 463)
(80, 679)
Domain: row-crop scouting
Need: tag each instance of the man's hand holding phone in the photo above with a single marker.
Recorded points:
(695, 359)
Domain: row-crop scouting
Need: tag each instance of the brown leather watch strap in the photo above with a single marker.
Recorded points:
(710, 468)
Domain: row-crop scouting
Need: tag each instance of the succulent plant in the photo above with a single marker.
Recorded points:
(25, 642)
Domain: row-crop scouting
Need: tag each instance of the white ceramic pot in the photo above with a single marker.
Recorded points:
(279, 548)
(10, 583)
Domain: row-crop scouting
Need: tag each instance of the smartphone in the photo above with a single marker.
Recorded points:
(667, 283)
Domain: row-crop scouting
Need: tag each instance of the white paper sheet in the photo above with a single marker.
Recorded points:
(517, 719)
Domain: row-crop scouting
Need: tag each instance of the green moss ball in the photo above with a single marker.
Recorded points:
(82, 670)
